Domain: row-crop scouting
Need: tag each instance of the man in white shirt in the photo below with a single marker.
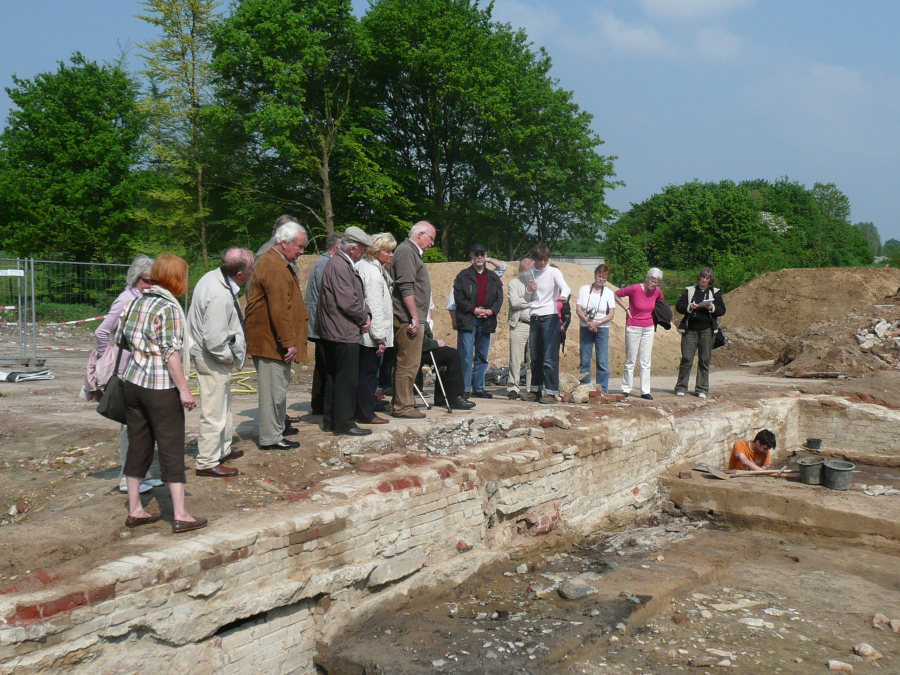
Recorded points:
(543, 292)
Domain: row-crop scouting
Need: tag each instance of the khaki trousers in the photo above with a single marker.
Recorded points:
(216, 423)
(518, 349)
(274, 376)
(409, 361)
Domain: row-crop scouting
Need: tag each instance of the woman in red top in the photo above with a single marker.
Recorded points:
(639, 328)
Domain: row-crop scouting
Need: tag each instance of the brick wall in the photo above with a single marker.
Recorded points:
(255, 598)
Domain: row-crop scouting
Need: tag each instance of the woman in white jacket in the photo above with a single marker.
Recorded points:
(377, 286)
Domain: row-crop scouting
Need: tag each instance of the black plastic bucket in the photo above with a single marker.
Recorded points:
(811, 470)
(813, 443)
(837, 474)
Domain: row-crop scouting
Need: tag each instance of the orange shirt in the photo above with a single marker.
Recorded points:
(762, 459)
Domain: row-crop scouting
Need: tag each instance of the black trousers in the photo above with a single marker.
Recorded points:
(317, 395)
(368, 379)
(341, 379)
(450, 369)
(154, 416)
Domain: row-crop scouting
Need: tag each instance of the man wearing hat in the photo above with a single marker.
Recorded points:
(478, 293)
(341, 317)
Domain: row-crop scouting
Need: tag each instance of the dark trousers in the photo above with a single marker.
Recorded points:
(317, 395)
(365, 388)
(450, 369)
(693, 342)
(341, 378)
(154, 416)
(544, 343)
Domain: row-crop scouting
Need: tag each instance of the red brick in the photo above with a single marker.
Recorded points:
(9, 589)
(211, 561)
(415, 460)
(101, 594)
(384, 487)
(635, 491)
(468, 485)
(548, 422)
(401, 483)
(378, 466)
(25, 614)
(64, 604)
(300, 497)
(43, 576)
(463, 546)
(446, 471)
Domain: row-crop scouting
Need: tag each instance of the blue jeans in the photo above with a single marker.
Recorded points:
(544, 342)
(469, 342)
(595, 342)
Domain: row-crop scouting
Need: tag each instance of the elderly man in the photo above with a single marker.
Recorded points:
(478, 294)
(341, 317)
(412, 296)
(218, 344)
(276, 332)
(311, 298)
(519, 328)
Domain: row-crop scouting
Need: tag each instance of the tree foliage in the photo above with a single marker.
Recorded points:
(67, 158)
(870, 234)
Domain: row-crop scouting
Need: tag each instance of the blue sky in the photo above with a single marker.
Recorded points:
(679, 89)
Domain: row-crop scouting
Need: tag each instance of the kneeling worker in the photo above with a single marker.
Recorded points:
(753, 455)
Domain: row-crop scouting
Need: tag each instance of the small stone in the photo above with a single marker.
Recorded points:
(678, 617)
(724, 663)
(621, 628)
(595, 612)
(463, 546)
(438, 663)
(522, 569)
(491, 487)
(513, 433)
(895, 625)
(879, 619)
(867, 652)
(706, 614)
(13, 511)
(575, 588)
(490, 655)
(563, 423)
(481, 616)
(536, 433)
(839, 665)
(634, 600)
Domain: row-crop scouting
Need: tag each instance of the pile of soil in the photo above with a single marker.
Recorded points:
(807, 319)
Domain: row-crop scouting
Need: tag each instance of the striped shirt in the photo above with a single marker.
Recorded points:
(153, 331)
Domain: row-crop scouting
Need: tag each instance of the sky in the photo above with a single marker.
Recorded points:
(679, 89)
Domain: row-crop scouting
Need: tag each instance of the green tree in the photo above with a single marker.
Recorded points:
(870, 233)
(67, 157)
(178, 66)
(288, 83)
(890, 247)
(627, 262)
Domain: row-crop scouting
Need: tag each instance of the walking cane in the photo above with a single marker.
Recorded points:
(427, 407)
(437, 374)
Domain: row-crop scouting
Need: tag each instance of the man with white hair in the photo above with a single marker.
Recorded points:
(412, 296)
(276, 331)
(218, 344)
(519, 328)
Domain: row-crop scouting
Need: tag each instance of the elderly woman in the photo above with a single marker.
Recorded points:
(156, 390)
(702, 305)
(377, 287)
(596, 307)
(639, 328)
(137, 280)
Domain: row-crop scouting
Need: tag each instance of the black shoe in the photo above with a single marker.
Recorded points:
(290, 431)
(281, 445)
(482, 394)
(465, 395)
(513, 395)
(458, 403)
(354, 431)
(647, 397)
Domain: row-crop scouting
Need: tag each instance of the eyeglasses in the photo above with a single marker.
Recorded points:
(146, 280)
(429, 236)
(479, 254)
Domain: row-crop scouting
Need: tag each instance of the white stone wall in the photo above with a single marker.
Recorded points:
(256, 599)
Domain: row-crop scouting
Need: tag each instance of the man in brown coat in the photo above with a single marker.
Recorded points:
(342, 316)
(276, 322)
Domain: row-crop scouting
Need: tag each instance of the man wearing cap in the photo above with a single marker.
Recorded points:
(412, 296)
(341, 317)
(311, 298)
(478, 293)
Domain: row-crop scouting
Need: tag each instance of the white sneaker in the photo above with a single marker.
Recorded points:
(123, 487)
(152, 482)
(679, 393)
(701, 395)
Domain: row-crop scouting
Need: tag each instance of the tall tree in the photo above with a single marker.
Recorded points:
(178, 65)
(288, 82)
(67, 158)
(870, 233)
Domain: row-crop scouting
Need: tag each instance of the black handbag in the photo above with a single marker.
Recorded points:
(112, 404)
(719, 339)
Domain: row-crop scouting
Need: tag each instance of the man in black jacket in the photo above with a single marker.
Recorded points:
(478, 293)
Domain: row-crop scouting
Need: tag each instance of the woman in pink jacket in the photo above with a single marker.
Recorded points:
(639, 328)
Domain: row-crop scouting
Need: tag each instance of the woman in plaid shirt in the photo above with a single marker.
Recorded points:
(156, 390)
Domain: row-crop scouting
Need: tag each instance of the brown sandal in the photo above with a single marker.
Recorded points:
(188, 525)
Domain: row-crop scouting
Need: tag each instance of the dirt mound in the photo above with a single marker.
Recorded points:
(790, 301)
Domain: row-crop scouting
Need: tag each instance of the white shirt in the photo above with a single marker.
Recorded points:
(601, 302)
(551, 285)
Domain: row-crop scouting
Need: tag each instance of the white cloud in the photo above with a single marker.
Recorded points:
(720, 44)
(687, 10)
(630, 38)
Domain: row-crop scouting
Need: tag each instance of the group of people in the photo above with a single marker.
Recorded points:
(367, 307)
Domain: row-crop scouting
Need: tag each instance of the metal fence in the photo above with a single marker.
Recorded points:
(44, 302)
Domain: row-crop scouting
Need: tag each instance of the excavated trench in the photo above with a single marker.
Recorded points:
(459, 564)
